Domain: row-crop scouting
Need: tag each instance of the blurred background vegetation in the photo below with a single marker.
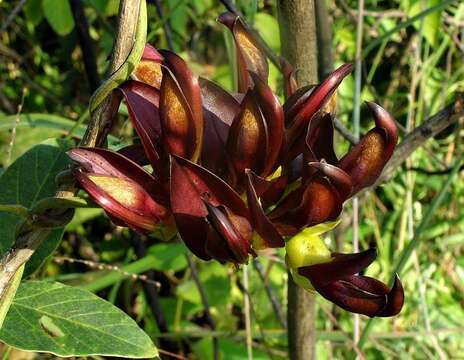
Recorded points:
(412, 69)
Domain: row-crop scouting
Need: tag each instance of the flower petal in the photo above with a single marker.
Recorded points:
(191, 185)
(308, 205)
(135, 153)
(234, 230)
(219, 110)
(351, 298)
(247, 141)
(319, 138)
(395, 300)
(321, 202)
(250, 56)
(143, 105)
(366, 160)
(176, 119)
(365, 295)
(296, 102)
(189, 87)
(219, 102)
(315, 101)
(216, 246)
(338, 178)
(110, 163)
(288, 72)
(123, 199)
(274, 118)
(260, 221)
(316, 143)
(148, 69)
(341, 266)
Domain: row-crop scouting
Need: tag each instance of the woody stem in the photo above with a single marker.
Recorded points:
(297, 23)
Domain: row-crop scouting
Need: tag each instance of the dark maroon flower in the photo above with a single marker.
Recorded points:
(128, 194)
(238, 173)
(250, 57)
(339, 282)
(335, 276)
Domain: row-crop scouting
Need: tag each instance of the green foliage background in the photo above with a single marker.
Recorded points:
(413, 71)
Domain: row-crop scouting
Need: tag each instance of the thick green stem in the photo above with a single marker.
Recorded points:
(299, 46)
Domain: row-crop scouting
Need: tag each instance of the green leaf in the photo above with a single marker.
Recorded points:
(440, 6)
(25, 139)
(55, 123)
(36, 120)
(5, 301)
(99, 5)
(431, 23)
(178, 15)
(31, 178)
(112, 7)
(59, 16)
(168, 257)
(33, 11)
(268, 27)
(216, 282)
(80, 217)
(229, 349)
(67, 321)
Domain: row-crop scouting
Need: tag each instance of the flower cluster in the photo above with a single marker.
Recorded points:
(238, 173)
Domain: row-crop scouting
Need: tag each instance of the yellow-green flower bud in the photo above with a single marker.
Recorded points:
(307, 248)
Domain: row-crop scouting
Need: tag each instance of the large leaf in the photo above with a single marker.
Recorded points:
(7, 299)
(67, 321)
(33, 11)
(268, 27)
(59, 16)
(33, 120)
(50, 122)
(431, 23)
(31, 178)
(168, 257)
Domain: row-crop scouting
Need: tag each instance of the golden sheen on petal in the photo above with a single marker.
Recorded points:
(372, 152)
(177, 126)
(248, 139)
(331, 106)
(122, 190)
(320, 202)
(251, 51)
(242, 225)
(149, 72)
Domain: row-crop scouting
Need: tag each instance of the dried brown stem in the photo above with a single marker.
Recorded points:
(451, 114)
